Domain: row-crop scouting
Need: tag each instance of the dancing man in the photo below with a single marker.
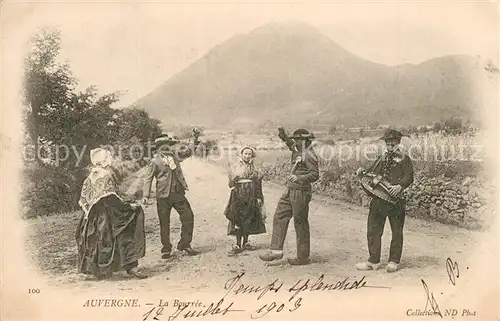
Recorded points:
(295, 200)
(170, 190)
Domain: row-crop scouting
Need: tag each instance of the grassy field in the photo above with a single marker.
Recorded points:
(427, 151)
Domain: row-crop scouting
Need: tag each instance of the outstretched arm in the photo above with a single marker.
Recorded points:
(186, 151)
(287, 140)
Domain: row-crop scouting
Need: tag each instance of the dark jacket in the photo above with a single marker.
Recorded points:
(305, 165)
(400, 172)
(167, 180)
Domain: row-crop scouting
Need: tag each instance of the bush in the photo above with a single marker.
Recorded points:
(48, 190)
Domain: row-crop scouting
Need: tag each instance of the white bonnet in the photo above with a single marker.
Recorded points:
(101, 157)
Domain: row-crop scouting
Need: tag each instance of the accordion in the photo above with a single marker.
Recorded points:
(375, 186)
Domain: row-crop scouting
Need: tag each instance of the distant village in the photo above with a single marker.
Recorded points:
(448, 126)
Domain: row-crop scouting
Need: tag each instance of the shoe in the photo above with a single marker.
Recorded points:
(297, 261)
(270, 256)
(165, 255)
(249, 247)
(367, 266)
(190, 251)
(391, 267)
(101, 277)
(235, 250)
(136, 274)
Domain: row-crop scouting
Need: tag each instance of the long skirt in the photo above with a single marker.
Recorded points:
(243, 212)
(111, 239)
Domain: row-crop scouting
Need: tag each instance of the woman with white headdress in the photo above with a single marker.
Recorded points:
(244, 210)
(110, 234)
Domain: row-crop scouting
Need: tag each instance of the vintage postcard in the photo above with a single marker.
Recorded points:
(224, 160)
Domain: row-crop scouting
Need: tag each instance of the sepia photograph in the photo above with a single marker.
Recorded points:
(249, 160)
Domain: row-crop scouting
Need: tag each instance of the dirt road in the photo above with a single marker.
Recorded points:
(338, 241)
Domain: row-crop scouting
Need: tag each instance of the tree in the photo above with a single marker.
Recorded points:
(60, 115)
(135, 122)
(47, 83)
(59, 118)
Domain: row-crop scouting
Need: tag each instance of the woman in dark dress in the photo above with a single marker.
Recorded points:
(110, 234)
(244, 210)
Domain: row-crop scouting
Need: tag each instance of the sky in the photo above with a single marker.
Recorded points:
(135, 47)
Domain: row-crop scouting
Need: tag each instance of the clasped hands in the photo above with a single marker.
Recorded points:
(394, 190)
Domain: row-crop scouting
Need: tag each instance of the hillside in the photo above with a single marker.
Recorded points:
(291, 73)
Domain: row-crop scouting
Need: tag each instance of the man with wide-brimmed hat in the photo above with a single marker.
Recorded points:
(397, 169)
(295, 200)
(170, 190)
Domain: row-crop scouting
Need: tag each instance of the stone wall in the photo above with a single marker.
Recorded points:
(460, 201)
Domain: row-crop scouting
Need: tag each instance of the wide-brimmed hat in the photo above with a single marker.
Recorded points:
(254, 152)
(391, 134)
(165, 139)
(302, 133)
(101, 157)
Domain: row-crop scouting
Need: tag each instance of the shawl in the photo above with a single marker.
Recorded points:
(241, 170)
(99, 184)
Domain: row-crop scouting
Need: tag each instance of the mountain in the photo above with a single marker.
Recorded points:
(290, 73)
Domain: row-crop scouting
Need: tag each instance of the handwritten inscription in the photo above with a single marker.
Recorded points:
(274, 307)
(431, 300)
(235, 287)
(155, 312)
(453, 270)
(318, 285)
(231, 286)
(218, 308)
(432, 307)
